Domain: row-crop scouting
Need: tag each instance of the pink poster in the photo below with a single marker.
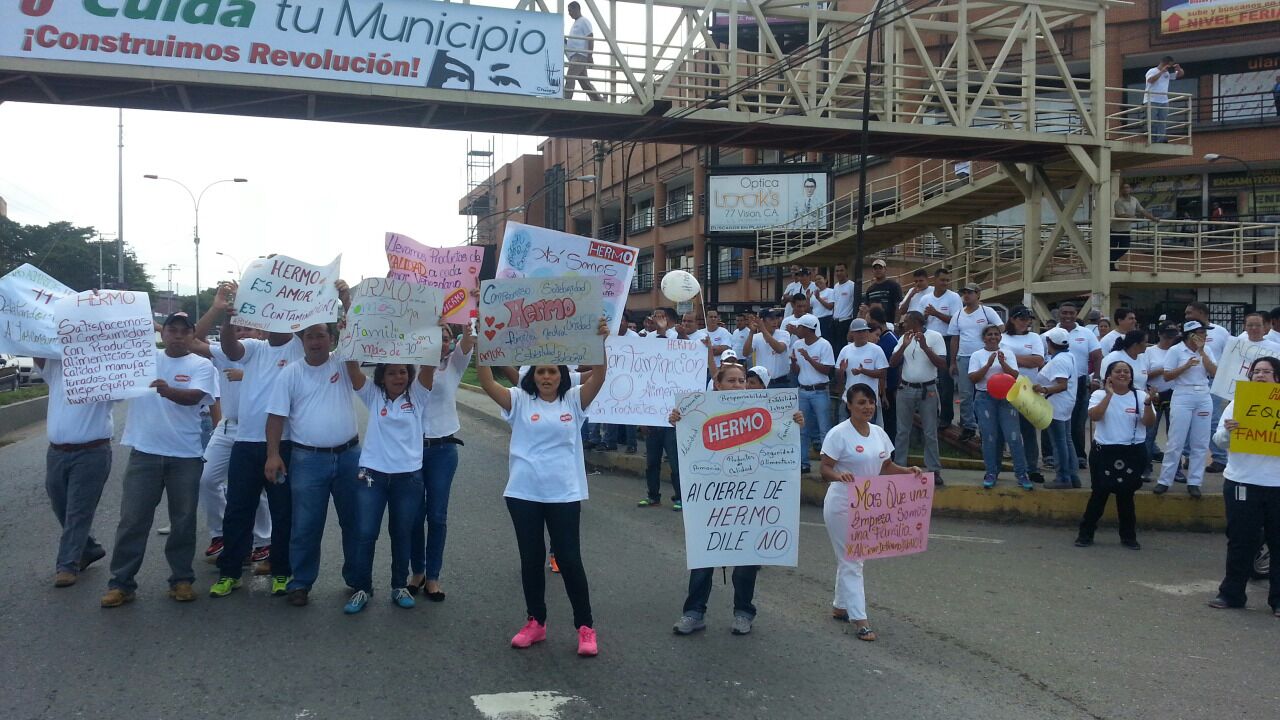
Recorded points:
(454, 270)
(889, 516)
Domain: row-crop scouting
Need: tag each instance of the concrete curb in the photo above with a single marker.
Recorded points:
(21, 414)
(1174, 510)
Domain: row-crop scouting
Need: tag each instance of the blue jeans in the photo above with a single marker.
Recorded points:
(998, 422)
(816, 406)
(426, 554)
(620, 435)
(744, 590)
(1158, 114)
(591, 432)
(659, 440)
(400, 494)
(315, 477)
(245, 483)
(1064, 451)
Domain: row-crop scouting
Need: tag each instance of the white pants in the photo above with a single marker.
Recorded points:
(1190, 414)
(213, 486)
(850, 594)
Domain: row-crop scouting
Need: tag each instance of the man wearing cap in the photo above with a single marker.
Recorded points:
(940, 305)
(845, 292)
(861, 362)
(163, 430)
(1216, 338)
(1027, 349)
(1088, 357)
(964, 338)
(921, 353)
(772, 347)
(811, 364)
(883, 291)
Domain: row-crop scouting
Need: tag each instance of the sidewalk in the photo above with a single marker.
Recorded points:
(963, 495)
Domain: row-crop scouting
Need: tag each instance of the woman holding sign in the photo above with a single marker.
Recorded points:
(546, 486)
(1251, 490)
(855, 447)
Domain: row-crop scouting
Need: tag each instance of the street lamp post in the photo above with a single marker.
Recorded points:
(236, 262)
(1248, 172)
(195, 204)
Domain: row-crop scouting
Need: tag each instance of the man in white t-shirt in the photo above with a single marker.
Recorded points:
(922, 355)
(822, 303)
(811, 364)
(578, 46)
(861, 362)
(771, 346)
(1274, 318)
(163, 430)
(939, 306)
(77, 465)
(964, 338)
(845, 294)
(314, 398)
(1087, 354)
(1125, 320)
(741, 330)
(721, 338)
(916, 294)
(801, 284)
(1156, 96)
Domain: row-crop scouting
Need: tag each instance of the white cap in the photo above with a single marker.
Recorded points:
(728, 354)
(1058, 336)
(1191, 326)
(761, 372)
(808, 320)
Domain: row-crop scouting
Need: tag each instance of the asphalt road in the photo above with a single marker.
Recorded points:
(992, 622)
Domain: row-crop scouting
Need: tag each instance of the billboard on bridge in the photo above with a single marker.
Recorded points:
(744, 199)
(387, 42)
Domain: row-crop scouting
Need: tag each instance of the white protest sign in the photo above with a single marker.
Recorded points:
(646, 375)
(26, 312)
(108, 345)
(740, 477)
(392, 321)
(454, 270)
(1235, 361)
(549, 321)
(281, 294)
(534, 252)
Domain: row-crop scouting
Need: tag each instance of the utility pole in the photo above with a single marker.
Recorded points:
(119, 205)
(170, 268)
(595, 198)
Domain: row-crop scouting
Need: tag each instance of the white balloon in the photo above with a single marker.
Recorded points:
(679, 286)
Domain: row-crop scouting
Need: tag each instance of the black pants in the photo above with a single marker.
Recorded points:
(1253, 513)
(1079, 415)
(947, 390)
(1119, 245)
(889, 413)
(658, 441)
(1114, 470)
(245, 483)
(827, 329)
(840, 336)
(744, 591)
(561, 522)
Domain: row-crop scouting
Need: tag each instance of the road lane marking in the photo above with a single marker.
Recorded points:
(932, 536)
(1199, 587)
(540, 705)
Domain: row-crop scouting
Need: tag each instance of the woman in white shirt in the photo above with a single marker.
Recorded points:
(997, 419)
(439, 463)
(855, 447)
(1187, 368)
(1028, 354)
(1251, 490)
(390, 476)
(1121, 414)
(546, 484)
(1058, 379)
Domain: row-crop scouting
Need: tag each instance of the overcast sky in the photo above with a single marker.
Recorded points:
(315, 189)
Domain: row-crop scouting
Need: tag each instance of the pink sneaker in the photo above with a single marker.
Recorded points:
(587, 642)
(531, 633)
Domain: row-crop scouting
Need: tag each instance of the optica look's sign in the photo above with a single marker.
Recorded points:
(388, 42)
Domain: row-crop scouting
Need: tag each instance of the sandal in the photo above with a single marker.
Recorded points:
(866, 633)
(418, 587)
(839, 615)
(436, 596)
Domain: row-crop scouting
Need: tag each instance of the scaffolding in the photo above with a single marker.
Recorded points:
(480, 189)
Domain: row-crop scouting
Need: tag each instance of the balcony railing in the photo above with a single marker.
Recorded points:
(676, 211)
(642, 282)
(610, 232)
(1233, 110)
(641, 221)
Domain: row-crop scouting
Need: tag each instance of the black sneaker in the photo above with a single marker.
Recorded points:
(1131, 544)
(1036, 477)
(1193, 491)
(1215, 467)
(937, 480)
(632, 450)
(968, 434)
(1083, 542)
(1159, 489)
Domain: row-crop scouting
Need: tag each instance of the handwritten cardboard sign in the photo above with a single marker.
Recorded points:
(740, 477)
(889, 516)
(392, 321)
(1234, 364)
(1257, 409)
(281, 294)
(534, 252)
(645, 377)
(108, 344)
(546, 321)
(27, 324)
(455, 271)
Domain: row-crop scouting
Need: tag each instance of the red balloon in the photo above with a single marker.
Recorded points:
(998, 386)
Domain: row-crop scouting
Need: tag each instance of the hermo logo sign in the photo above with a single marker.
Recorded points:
(736, 428)
(237, 13)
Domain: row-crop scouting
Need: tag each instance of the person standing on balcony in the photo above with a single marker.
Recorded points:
(885, 291)
(1156, 96)
(579, 46)
(823, 302)
(939, 307)
(965, 337)
(845, 291)
(921, 353)
(1124, 211)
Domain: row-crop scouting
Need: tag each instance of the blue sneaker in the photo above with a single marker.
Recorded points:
(1024, 482)
(356, 603)
(988, 482)
(402, 598)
